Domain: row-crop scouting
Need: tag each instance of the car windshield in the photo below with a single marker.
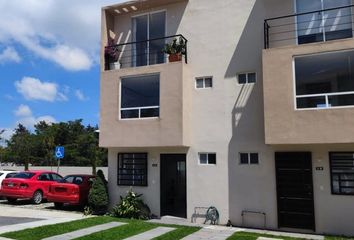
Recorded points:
(24, 175)
(10, 175)
(67, 179)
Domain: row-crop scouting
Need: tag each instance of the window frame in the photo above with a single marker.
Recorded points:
(247, 73)
(120, 109)
(326, 95)
(207, 159)
(203, 78)
(145, 174)
(249, 158)
(331, 174)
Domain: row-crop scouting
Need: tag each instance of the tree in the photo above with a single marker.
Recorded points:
(98, 197)
(1, 132)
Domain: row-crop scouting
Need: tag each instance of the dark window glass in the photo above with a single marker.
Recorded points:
(254, 159)
(68, 179)
(251, 77)
(200, 83)
(208, 82)
(212, 158)
(56, 177)
(10, 175)
(341, 100)
(150, 112)
(311, 102)
(342, 173)
(24, 175)
(137, 92)
(132, 169)
(44, 177)
(203, 158)
(78, 180)
(243, 158)
(242, 78)
(1, 174)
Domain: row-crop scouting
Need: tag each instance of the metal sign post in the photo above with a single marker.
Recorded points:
(59, 154)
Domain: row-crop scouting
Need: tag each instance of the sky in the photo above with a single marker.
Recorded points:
(49, 61)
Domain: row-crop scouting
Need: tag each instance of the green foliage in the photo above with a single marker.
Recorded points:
(37, 147)
(131, 206)
(98, 197)
(178, 46)
(100, 174)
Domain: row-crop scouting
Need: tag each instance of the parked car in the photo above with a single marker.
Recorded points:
(72, 190)
(32, 185)
(6, 174)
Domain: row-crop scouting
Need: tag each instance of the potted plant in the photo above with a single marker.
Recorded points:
(112, 55)
(175, 50)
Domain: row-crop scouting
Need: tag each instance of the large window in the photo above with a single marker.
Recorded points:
(342, 173)
(325, 80)
(323, 25)
(132, 169)
(140, 97)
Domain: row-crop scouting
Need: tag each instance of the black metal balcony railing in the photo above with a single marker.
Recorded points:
(308, 27)
(141, 53)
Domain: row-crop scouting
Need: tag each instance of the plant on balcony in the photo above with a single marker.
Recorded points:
(111, 55)
(175, 50)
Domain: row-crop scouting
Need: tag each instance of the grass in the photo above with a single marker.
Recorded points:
(254, 236)
(132, 228)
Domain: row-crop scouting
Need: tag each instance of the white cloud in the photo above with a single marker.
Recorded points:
(9, 54)
(26, 117)
(65, 32)
(34, 89)
(23, 111)
(80, 95)
(6, 135)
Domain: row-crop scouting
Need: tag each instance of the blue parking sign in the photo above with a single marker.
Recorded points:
(59, 152)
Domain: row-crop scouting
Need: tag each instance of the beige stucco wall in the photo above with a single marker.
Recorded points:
(284, 124)
(168, 130)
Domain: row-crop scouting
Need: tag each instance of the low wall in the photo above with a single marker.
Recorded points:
(62, 170)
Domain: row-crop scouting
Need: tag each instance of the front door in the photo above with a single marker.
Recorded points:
(173, 185)
(295, 190)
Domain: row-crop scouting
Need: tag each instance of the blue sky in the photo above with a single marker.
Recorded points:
(49, 61)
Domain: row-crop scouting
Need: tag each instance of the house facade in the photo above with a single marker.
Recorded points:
(257, 118)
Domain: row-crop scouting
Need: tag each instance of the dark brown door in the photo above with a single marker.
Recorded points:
(173, 185)
(295, 190)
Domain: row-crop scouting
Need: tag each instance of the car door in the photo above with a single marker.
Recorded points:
(44, 181)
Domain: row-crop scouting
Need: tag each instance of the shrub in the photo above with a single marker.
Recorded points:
(131, 206)
(100, 174)
(98, 198)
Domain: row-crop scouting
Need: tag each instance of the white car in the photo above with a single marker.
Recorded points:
(6, 174)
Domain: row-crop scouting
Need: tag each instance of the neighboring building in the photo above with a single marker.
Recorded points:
(257, 117)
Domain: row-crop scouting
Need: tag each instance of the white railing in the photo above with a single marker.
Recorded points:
(326, 96)
(139, 110)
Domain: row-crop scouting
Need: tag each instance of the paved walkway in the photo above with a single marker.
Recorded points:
(85, 231)
(151, 234)
(211, 234)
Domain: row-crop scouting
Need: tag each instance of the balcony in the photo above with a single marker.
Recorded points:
(145, 52)
(309, 27)
(307, 78)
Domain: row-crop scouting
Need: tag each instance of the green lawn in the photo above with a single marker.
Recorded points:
(132, 228)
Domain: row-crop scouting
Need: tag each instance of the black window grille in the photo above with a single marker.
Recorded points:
(132, 169)
(342, 172)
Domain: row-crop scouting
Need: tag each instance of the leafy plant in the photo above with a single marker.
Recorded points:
(111, 52)
(178, 46)
(131, 206)
(98, 197)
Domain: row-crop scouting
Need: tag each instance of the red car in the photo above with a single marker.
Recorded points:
(73, 190)
(32, 185)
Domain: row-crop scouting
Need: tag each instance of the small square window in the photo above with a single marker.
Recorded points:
(207, 158)
(204, 82)
(243, 158)
(200, 83)
(254, 158)
(242, 78)
(251, 78)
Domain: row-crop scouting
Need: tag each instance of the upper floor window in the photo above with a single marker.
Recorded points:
(244, 78)
(342, 173)
(325, 80)
(204, 82)
(323, 25)
(249, 158)
(207, 158)
(140, 97)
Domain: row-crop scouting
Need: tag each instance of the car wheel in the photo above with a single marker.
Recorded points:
(58, 205)
(11, 200)
(37, 197)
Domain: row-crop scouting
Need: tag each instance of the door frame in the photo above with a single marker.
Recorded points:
(185, 189)
(278, 195)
